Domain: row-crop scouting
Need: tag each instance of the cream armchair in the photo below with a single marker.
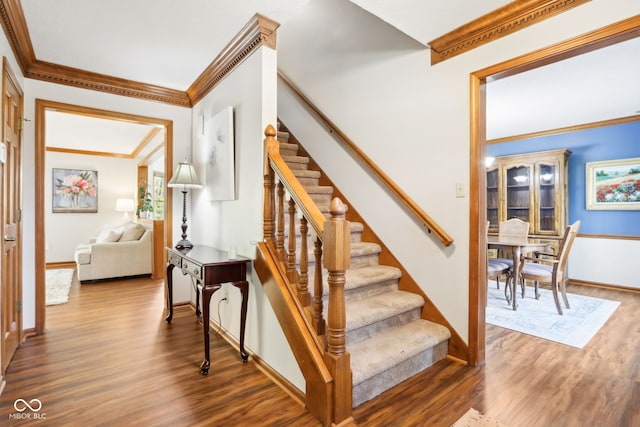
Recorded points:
(121, 251)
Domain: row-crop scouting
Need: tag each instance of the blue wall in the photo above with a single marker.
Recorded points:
(605, 143)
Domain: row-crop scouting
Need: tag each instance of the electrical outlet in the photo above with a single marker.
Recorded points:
(225, 298)
(459, 189)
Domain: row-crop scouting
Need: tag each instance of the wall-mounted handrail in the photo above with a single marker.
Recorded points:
(420, 214)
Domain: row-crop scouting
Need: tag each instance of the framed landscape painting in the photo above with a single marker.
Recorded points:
(613, 184)
(74, 190)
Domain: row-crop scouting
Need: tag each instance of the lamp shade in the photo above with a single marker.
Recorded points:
(185, 176)
(125, 205)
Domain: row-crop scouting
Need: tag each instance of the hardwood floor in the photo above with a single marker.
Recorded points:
(109, 358)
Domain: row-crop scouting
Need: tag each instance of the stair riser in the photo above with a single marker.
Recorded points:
(297, 166)
(321, 198)
(309, 182)
(367, 331)
(372, 387)
(356, 236)
(370, 290)
(356, 262)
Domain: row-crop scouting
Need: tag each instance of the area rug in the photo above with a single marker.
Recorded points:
(58, 283)
(473, 418)
(541, 319)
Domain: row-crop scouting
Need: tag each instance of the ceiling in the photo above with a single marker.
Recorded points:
(169, 43)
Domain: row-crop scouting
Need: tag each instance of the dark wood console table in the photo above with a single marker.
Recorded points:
(210, 267)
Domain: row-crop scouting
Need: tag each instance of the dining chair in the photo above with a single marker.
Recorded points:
(496, 269)
(514, 227)
(550, 269)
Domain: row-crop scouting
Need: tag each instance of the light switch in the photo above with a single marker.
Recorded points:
(459, 189)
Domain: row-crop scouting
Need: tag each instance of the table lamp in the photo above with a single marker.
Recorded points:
(184, 177)
(126, 206)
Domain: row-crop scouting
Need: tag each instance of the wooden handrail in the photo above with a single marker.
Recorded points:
(422, 216)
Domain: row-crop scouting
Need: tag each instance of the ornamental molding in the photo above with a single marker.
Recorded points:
(259, 31)
(496, 24)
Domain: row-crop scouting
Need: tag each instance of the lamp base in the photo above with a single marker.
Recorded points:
(184, 244)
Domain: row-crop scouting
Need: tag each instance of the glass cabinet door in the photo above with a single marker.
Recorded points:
(518, 188)
(547, 209)
(493, 201)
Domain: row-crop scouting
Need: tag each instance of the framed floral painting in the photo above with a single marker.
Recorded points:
(613, 184)
(75, 190)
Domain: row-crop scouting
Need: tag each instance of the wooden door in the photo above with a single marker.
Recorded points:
(10, 273)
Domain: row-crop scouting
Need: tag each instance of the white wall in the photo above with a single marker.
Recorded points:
(117, 178)
(251, 90)
(34, 89)
(411, 118)
(605, 261)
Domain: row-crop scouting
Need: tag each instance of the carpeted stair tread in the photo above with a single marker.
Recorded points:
(282, 137)
(380, 307)
(319, 189)
(295, 159)
(390, 348)
(306, 173)
(364, 248)
(358, 277)
(364, 282)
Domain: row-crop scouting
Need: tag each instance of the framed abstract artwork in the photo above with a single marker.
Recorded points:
(613, 184)
(217, 156)
(74, 190)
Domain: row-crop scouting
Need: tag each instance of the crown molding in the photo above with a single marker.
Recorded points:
(496, 24)
(15, 28)
(61, 74)
(259, 31)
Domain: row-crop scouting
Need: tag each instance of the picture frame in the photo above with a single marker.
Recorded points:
(613, 184)
(74, 191)
(216, 164)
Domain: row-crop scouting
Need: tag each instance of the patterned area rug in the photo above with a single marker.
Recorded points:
(473, 418)
(58, 283)
(540, 318)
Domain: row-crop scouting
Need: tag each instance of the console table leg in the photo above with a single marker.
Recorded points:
(244, 290)
(207, 292)
(170, 292)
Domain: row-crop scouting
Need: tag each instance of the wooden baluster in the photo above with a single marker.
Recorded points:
(269, 208)
(317, 317)
(303, 294)
(280, 224)
(336, 240)
(291, 252)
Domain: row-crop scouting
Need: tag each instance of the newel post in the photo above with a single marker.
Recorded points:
(271, 145)
(336, 239)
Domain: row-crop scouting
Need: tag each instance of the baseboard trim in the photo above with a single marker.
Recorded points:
(603, 286)
(262, 366)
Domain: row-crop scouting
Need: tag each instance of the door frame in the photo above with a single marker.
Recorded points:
(12, 165)
(606, 36)
(41, 107)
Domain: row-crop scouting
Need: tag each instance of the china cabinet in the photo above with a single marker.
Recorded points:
(532, 187)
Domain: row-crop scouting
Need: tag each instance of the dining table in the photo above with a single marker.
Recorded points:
(516, 246)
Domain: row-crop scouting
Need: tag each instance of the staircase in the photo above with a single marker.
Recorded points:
(386, 337)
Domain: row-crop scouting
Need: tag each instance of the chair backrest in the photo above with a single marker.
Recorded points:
(514, 227)
(565, 247)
